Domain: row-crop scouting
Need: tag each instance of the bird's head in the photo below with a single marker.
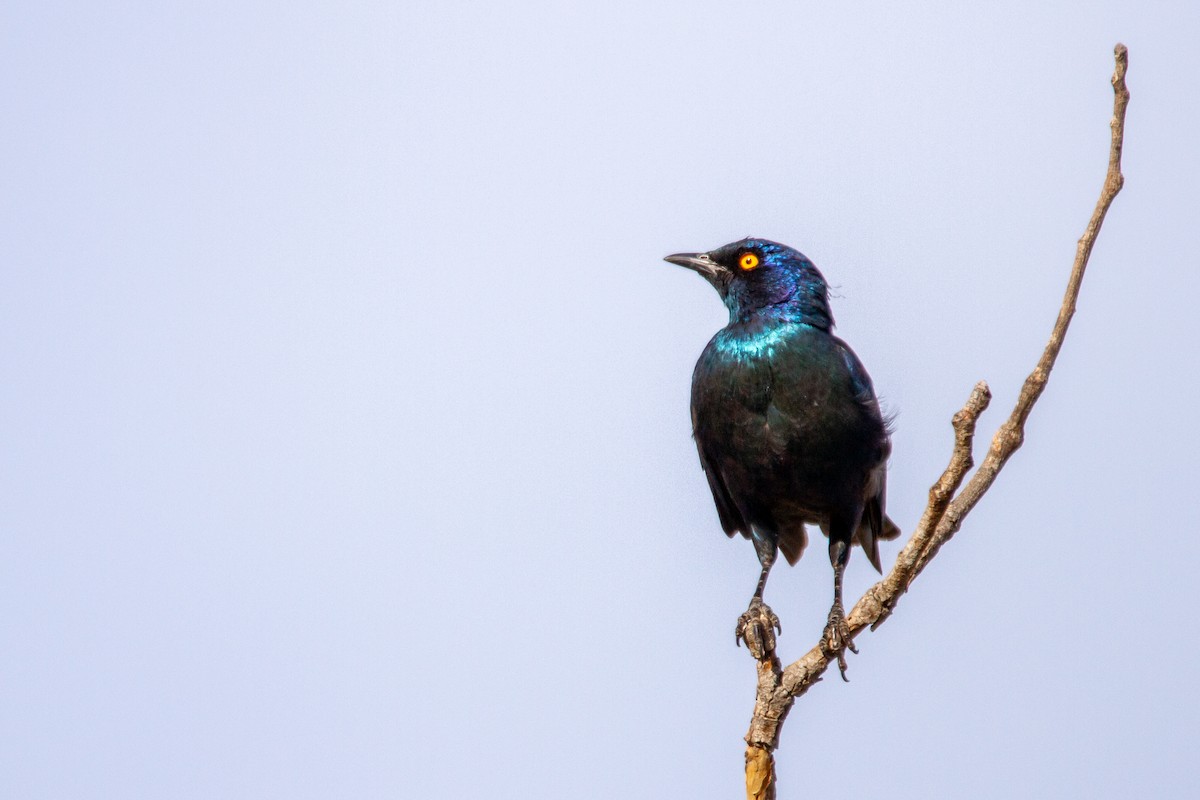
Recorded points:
(756, 275)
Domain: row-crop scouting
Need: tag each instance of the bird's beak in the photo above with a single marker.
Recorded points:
(710, 270)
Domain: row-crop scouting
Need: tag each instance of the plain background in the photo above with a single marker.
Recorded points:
(344, 443)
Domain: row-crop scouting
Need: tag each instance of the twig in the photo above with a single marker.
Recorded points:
(778, 688)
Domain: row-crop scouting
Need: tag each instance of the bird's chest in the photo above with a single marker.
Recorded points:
(765, 397)
(744, 371)
(731, 379)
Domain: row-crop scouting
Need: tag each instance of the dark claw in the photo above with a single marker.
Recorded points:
(757, 628)
(837, 638)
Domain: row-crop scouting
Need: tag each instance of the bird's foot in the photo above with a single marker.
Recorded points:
(757, 628)
(837, 637)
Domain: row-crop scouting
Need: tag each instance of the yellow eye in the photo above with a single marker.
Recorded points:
(748, 261)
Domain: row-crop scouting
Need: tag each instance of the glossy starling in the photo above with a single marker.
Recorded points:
(787, 423)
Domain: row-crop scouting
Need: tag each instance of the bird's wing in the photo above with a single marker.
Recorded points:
(864, 390)
(875, 522)
(731, 519)
(817, 384)
(820, 392)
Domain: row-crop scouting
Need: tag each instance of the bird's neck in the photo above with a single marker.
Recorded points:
(804, 305)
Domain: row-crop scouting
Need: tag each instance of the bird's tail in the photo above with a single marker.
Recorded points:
(870, 531)
(792, 540)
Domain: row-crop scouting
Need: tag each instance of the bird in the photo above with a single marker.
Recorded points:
(787, 425)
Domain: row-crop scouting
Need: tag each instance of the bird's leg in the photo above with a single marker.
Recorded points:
(837, 632)
(758, 626)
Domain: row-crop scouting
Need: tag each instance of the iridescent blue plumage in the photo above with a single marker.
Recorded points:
(785, 419)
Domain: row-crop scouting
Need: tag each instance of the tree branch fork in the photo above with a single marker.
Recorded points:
(777, 686)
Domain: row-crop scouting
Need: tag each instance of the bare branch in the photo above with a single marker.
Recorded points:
(778, 688)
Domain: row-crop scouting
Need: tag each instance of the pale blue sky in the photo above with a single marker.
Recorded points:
(345, 448)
